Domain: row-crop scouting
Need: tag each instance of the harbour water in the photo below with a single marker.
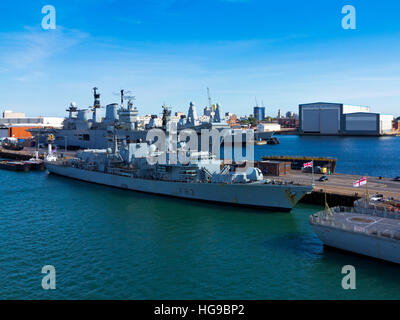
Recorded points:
(107, 243)
(375, 156)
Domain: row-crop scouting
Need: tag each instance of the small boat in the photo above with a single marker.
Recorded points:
(261, 143)
(14, 165)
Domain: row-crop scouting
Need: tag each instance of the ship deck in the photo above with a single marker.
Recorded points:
(364, 223)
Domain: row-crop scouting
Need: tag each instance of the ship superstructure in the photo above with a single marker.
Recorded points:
(84, 128)
(80, 131)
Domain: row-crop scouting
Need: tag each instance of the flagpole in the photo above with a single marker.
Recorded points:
(312, 170)
(327, 208)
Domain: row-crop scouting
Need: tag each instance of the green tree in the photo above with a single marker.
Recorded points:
(269, 119)
(252, 120)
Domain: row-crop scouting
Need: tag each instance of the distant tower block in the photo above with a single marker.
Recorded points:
(217, 114)
(192, 115)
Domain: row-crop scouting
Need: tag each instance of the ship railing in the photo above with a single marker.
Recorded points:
(371, 210)
(382, 212)
(318, 220)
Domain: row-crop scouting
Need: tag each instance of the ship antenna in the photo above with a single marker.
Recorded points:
(96, 96)
(209, 97)
(122, 93)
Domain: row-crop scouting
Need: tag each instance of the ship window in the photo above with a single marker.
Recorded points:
(86, 137)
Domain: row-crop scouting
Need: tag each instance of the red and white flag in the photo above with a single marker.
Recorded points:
(360, 182)
(308, 164)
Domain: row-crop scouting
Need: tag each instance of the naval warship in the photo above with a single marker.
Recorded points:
(81, 132)
(86, 129)
(370, 228)
(203, 176)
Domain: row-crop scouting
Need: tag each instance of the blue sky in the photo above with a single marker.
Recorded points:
(282, 52)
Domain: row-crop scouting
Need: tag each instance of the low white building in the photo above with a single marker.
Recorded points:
(386, 123)
(7, 114)
(15, 124)
(268, 127)
(18, 119)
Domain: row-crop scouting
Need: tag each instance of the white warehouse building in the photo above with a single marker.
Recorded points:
(340, 119)
(268, 127)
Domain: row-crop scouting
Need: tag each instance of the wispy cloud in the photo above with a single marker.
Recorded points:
(27, 51)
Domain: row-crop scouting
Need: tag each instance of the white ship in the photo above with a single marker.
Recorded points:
(371, 229)
(202, 177)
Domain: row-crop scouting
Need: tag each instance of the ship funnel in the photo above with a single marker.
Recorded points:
(83, 115)
(112, 112)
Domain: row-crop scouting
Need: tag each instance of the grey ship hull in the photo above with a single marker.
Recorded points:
(272, 197)
(378, 240)
(379, 248)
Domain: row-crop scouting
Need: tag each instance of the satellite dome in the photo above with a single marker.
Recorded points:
(73, 104)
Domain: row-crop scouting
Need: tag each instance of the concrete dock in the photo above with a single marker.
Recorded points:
(339, 188)
(28, 152)
(15, 155)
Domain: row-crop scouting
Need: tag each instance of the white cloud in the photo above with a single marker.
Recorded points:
(25, 53)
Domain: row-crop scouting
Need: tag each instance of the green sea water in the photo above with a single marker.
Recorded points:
(107, 243)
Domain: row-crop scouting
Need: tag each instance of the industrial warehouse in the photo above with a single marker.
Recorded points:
(323, 118)
(17, 125)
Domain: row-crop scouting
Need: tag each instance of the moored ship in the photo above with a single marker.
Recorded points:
(201, 177)
(368, 228)
(87, 129)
